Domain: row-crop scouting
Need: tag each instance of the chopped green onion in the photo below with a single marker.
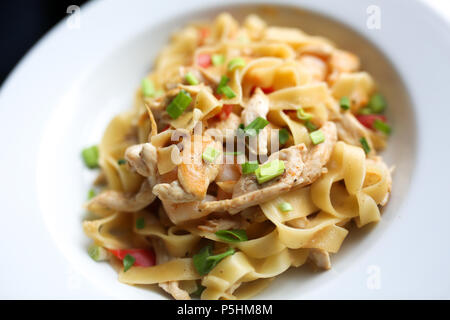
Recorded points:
(191, 79)
(159, 93)
(302, 115)
(179, 104)
(217, 59)
(236, 63)
(317, 137)
(285, 207)
(365, 111)
(269, 171)
(210, 154)
(377, 103)
(310, 126)
(283, 136)
(237, 235)
(128, 262)
(222, 88)
(140, 223)
(228, 92)
(204, 261)
(91, 194)
(249, 167)
(382, 126)
(199, 291)
(365, 145)
(147, 88)
(97, 253)
(223, 82)
(345, 103)
(90, 157)
(253, 128)
(121, 162)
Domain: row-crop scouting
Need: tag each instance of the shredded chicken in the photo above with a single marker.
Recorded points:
(226, 222)
(257, 106)
(194, 174)
(248, 192)
(143, 159)
(320, 258)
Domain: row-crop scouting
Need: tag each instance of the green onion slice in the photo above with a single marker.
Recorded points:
(97, 253)
(121, 162)
(382, 126)
(249, 167)
(91, 194)
(217, 59)
(147, 88)
(198, 292)
(317, 136)
(377, 103)
(179, 104)
(236, 63)
(210, 154)
(90, 157)
(365, 145)
(285, 207)
(310, 126)
(302, 115)
(228, 92)
(283, 136)
(191, 79)
(140, 223)
(128, 262)
(344, 102)
(237, 235)
(255, 126)
(269, 171)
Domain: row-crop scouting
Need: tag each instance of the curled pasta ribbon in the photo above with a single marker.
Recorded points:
(365, 186)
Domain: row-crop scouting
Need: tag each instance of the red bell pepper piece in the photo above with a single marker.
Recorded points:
(143, 257)
(204, 60)
(224, 113)
(367, 120)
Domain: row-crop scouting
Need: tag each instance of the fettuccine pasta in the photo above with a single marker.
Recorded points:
(250, 149)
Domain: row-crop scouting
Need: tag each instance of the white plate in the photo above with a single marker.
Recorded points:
(60, 97)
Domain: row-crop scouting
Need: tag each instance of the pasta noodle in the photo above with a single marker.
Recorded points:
(249, 150)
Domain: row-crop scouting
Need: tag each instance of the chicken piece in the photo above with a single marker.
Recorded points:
(173, 192)
(344, 61)
(320, 258)
(194, 174)
(257, 106)
(225, 129)
(181, 212)
(226, 222)
(350, 130)
(302, 168)
(143, 159)
(121, 201)
(173, 288)
(315, 66)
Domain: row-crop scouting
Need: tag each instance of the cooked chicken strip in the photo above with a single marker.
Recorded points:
(181, 212)
(173, 288)
(302, 168)
(223, 223)
(173, 192)
(350, 130)
(320, 258)
(143, 159)
(257, 106)
(194, 174)
(225, 129)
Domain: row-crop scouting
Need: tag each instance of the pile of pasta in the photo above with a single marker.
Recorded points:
(309, 85)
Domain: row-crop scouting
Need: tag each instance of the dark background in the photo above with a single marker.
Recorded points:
(23, 23)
